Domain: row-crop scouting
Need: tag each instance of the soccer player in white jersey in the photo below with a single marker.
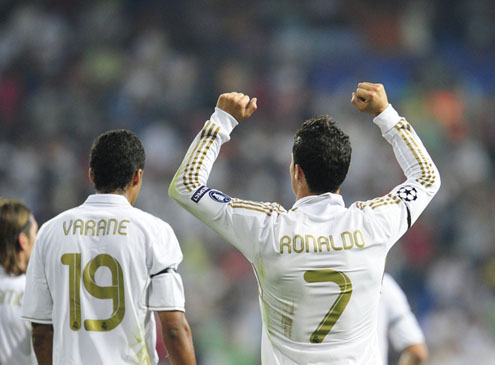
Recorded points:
(397, 324)
(319, 265)
(18, 230)
(100, 270)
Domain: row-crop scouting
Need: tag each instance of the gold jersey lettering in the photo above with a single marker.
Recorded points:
(310, 237)
(285, 242)
(101, 229)
(294, 244)
(347, 240)
(94, 228)
(323, 241)
(358, 238)
(90, 225)
(123, 227)
(300, 243)
(332, 242)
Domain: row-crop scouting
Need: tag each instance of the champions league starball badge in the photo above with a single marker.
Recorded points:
(407, 193)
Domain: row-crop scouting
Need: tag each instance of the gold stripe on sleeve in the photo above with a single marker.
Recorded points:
(188, 164)
(203, 140)
(427, 177)
(202, 155)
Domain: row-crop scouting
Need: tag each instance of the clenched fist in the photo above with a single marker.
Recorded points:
(238, 105)
(370, 98)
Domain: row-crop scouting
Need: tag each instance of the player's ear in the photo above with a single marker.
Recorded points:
(138, 177)
(91, 176)
(23, 241)
(299, 173)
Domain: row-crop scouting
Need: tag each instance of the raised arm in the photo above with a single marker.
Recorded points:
(230, 217)
(398, 210)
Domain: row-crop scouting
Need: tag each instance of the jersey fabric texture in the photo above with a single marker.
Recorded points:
(15, 333)
(96, 273)
(319, 265)
(396, 321)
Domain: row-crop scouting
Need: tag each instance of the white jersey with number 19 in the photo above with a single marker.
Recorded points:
(319, 265)
(96, 273)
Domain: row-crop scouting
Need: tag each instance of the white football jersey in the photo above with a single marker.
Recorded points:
(96, 273)
(319, 265)
(15, 333)
(396, 321)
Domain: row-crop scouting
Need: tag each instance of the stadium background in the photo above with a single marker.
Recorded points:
(72, 69)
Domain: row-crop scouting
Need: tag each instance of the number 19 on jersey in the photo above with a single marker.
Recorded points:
(115, 292)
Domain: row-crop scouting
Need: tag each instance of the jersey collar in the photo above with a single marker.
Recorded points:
(108, 199)
(328, 198)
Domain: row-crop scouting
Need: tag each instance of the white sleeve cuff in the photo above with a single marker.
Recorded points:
(227, 121)
(387, 119)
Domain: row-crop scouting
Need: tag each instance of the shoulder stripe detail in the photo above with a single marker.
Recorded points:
(427, 177)
(267, 212)
(188, 164)
(378, 202)
(268, 209)
(274, 206)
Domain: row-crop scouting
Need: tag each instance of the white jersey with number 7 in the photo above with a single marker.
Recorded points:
(96, 273)
(319, 265)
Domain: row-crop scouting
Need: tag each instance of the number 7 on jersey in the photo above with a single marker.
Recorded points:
(337, 308)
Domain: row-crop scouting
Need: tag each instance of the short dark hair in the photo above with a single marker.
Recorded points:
(114, 158)
(324, 153)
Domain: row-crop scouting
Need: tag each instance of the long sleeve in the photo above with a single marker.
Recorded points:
(395, 212)
(232, 218)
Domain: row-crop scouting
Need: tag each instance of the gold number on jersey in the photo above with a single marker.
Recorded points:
(74, 262)
(114, 291)
(337, 308)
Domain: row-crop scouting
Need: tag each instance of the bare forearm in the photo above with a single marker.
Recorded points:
(43, 343)
(414, 355)
(179, 345)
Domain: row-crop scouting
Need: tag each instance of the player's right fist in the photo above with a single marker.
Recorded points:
(370, 98)
(238, 105)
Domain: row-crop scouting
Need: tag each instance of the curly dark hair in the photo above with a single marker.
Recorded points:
(114, 158)
(324, 153)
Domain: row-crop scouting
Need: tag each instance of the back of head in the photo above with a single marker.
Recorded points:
(114, 158)
(324, 153)
(15, 218)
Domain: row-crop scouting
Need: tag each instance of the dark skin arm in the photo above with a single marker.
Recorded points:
(43, 342)
(177, 338)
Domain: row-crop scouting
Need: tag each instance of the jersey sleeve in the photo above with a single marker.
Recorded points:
(166, 291)
(403, 328)
(391, 215)
(38, 303)
(234, 219)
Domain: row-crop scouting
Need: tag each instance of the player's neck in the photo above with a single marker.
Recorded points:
(304, 191)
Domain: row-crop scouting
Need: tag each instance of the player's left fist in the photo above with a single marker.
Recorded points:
(238, 105)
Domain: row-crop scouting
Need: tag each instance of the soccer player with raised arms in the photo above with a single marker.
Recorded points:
(319, 265)
(100, 270)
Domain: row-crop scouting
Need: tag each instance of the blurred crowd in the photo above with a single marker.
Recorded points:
(72, 69)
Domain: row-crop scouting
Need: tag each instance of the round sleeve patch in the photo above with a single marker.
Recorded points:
(407, 193)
